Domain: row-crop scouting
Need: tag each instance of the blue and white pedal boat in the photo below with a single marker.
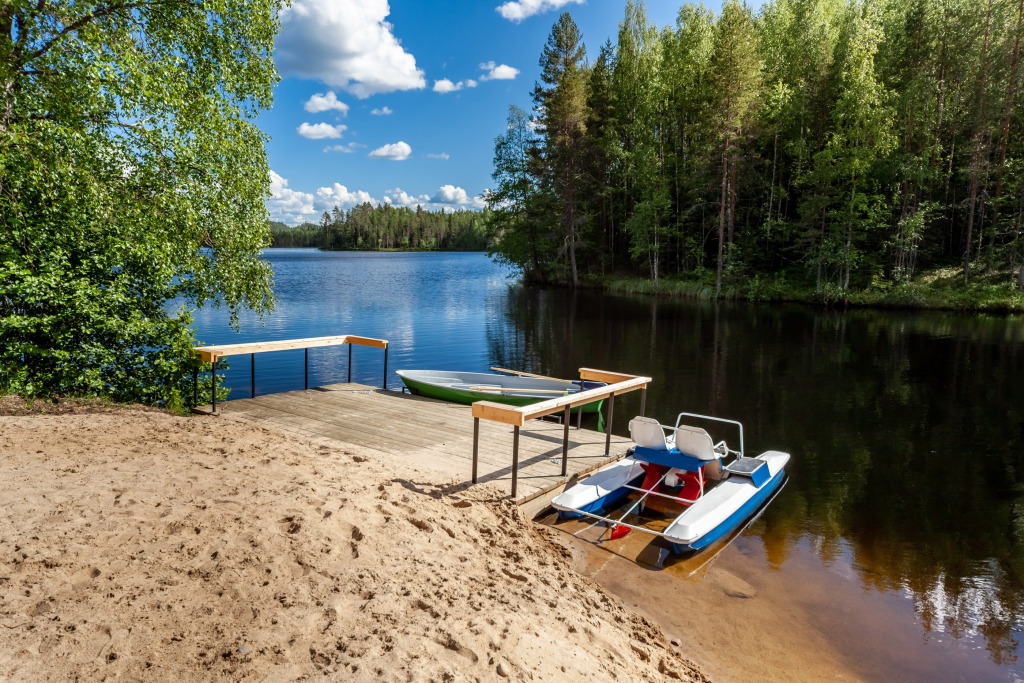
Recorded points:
(715, 494)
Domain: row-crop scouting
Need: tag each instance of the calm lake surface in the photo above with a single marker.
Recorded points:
(907, 429)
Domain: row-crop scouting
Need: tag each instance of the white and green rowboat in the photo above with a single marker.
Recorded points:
(469, 387)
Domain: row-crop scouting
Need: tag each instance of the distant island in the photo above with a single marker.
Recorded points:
(387, 228)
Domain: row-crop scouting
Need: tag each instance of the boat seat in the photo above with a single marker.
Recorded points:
(695, 442)
(646, 432)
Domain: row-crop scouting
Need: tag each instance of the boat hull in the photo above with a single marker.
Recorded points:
(445, 391)
(747, 510)
(726, 507)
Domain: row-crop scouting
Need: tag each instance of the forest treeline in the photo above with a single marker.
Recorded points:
(370, 228)
(828, 144)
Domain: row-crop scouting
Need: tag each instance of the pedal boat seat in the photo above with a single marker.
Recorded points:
(647, 433)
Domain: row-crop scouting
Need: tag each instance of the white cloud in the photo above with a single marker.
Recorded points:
(397, 151)
(447, 198)
(294, 207)
(346, 44)
(340, 196)
(442, 155)
(320, 131)
(445, 85)
(449, 195)
(329, 102)
(287, 205)
(344, 149)
(499, 72)
(517, 10)
(382, 111)
(400, 197)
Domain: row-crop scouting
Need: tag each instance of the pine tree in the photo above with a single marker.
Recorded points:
(561, 101)
(735, 69)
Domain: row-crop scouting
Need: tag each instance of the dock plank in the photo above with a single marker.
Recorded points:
(433, 434)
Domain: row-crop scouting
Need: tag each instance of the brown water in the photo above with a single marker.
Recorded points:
(741, 617)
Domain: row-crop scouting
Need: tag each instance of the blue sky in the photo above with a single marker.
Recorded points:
(400, 102)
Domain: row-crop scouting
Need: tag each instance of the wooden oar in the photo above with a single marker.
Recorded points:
(529, 391)
(529, 374)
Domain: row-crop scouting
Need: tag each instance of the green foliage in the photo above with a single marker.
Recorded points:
(520, 222)
(386, 227)
(832, 143)
(130, 176)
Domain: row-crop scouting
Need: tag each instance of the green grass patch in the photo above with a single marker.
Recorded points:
(941, 289)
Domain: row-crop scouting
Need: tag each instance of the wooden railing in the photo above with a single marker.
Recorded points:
(618, 383)
(212, 354)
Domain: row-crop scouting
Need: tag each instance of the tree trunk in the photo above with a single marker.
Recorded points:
(821, 254)
(721, 215)
(977, 139)
(571, 219)
(1004, 136)
(732, 206)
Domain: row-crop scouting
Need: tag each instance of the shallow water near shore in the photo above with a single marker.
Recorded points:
(896, 549)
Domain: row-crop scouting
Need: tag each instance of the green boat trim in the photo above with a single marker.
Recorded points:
(445, 392)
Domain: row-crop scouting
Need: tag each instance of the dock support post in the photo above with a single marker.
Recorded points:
(252, 373)
(515, 458)
(385, 384)
(350, 363)
(213, 387)
(565, 440)
(608, 426)
(476, 444)
(579, 418)
(643, 401)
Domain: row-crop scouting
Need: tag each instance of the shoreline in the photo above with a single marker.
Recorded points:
(939, 290)
(135, 542)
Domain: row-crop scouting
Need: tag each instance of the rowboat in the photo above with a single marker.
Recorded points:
(469, 387)
(685, 472)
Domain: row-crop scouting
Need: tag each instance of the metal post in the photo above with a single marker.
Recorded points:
(213, 387)
(643, 400)
(385, 385)
(608, 427)
(195, 383)
(579, 418)
(252, 372)
(565, 441)
(515, 458)
(307, 367)
(476, 444)
(350, 363)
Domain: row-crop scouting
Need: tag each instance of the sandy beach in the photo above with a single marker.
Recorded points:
(139, 544)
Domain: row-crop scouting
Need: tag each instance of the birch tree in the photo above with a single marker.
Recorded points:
(131, 173)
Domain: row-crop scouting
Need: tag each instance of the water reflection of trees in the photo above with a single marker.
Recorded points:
(907, 429)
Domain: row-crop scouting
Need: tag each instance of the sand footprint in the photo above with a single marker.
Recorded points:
(84, 578)
(448, 641)
(291, 524)
(96, 645)
(357, 536)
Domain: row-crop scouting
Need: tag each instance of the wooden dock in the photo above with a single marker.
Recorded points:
(435, 435)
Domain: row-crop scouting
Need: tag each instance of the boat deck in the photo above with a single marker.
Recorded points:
(436, 435)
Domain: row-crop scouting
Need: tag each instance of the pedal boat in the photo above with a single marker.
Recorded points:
(469, 387)
(686, 470)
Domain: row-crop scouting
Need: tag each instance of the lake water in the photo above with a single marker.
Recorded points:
(905, 505)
